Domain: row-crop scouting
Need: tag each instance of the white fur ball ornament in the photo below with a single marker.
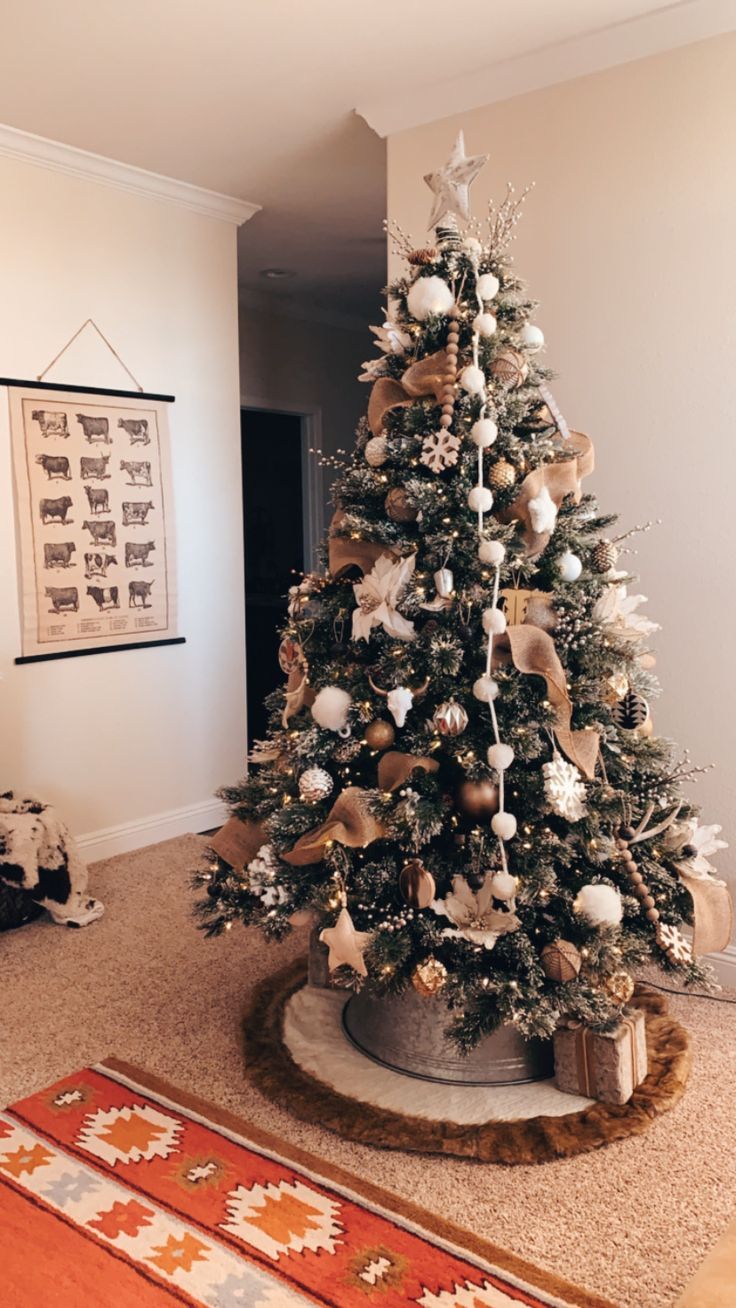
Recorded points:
(492, 551)
(376, 451)
(330, 709)
(483, 433)
(503, 885)
(569, 566)
(472, 246)
(532, 338)
(599, 904)
(503, 825)
(485, 689)
(500, 757)
(473, 380)
(494, 622)
(480, 499)
(485, 324)
(429, 296)
(488, 286)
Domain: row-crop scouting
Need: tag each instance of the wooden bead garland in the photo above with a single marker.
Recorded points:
(447, 396)
(643, 894)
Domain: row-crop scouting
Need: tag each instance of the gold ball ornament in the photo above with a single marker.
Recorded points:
(604, 556)
(450, 719)
(399, 507)
(561, 961)
(416, 884)
(510, 368)
(502, 475)
(429, 977)
(478, 799)
(376, 451)
(619, 986)
(379, 734)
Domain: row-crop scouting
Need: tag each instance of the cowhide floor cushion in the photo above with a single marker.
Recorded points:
(38, 855)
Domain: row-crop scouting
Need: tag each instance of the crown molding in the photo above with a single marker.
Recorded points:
(61, 158)
(624, 42)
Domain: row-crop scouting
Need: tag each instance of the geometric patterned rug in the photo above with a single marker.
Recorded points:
(119, 1191)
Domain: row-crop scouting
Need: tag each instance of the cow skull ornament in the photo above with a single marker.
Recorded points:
(400, 699)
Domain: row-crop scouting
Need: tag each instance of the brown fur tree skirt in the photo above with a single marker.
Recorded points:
(533, 1140)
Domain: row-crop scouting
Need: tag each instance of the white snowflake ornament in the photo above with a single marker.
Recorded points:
(674, 944)
(564, 789)
(439, 450)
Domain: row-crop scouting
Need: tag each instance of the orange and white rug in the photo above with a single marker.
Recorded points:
(118, 1191)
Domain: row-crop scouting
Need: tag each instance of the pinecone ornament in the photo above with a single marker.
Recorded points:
(604, 556)
(419, 258)
(502, 475)
(315, 784)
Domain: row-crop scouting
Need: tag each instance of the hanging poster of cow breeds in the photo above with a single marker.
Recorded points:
(95, 519)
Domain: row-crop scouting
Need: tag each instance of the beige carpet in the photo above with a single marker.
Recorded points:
(632, 1221)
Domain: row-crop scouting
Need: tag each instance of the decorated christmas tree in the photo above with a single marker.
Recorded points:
(462, 786)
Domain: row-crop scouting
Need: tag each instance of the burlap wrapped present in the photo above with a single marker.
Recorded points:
(606, 1066)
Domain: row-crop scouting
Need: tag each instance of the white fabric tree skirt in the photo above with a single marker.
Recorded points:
(314, 1036)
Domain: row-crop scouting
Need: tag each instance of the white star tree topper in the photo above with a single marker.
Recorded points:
(451, 185)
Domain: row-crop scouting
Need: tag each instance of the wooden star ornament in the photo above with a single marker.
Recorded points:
(451, 185)
(345, 944)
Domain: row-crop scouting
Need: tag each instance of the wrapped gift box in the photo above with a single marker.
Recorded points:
(601, 1065)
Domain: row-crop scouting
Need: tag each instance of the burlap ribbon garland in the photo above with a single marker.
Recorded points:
(712, 911)
(560, 479)
(427, 377)
(349, 823)
(533, 651)
(395, 768)
(345, 552)
(237, 842)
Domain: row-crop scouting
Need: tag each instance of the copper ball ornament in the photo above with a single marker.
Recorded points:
(399, 506)
(450, 719)
(620, 987)
(502, 475)
(416, 883)
(510, 368)
(314, 785)
(380, 734)
(561, 961)
(478, 799)
(429, 977)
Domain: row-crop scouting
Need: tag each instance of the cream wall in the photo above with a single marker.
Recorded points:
(628, 242)
(119, 739)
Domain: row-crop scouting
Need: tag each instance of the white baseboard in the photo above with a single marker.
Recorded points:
(96, 845)
(724, 965)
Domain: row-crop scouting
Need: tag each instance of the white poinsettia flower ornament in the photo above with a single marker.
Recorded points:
(618, 609)
(377, 597)
(391, 337)
(472, 914)
(703, 840)
(372, 369)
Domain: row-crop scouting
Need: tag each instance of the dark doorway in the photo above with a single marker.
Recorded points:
(273, 529)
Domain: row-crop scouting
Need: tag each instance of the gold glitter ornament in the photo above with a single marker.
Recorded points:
(379, 734)
(561, 960)
(398, 505)
(620, 987)
(429, 977)
(502, 475)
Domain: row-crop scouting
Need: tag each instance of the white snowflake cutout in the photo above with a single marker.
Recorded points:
(564, 789)
(440, 450)
(674, 943)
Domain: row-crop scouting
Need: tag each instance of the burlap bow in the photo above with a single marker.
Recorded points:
(427, 377)
(533, 651)
(395, 768)
(712, 911)
(345, 552)
(349, 822)
(560, 479)
(237, 843)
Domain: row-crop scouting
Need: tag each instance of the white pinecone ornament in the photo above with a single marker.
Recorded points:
(315, 784)
(564, 789)
(440, 450)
